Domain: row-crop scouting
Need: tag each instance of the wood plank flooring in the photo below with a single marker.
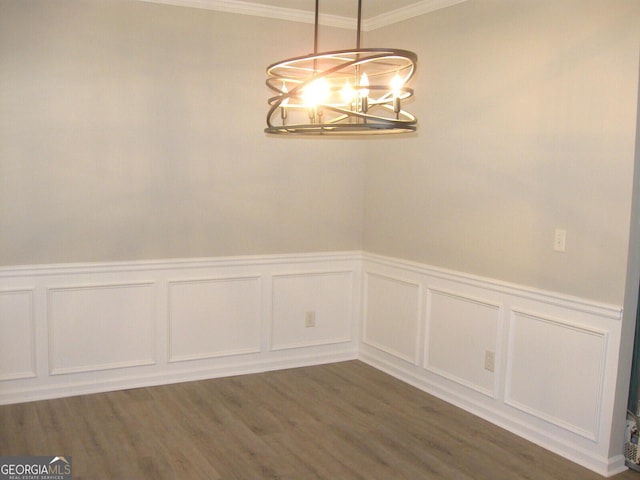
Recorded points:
(340, 421)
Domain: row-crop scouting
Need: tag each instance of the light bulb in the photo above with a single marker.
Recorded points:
(316, 93)
(396, 86)
(364, 82)
(364, 93)
(348, 93)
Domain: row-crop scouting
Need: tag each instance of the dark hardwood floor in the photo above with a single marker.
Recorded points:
(341, 421)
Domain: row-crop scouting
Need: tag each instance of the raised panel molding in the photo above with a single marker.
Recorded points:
(393, 308)
(88, 328)
(556, 357)
(328, 295)
(83, 328)
(460, 330)
(98, 327)
(555, 371)
(17, 345)
(214, 317)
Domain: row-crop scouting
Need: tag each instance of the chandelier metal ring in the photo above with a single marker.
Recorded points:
(353, 91)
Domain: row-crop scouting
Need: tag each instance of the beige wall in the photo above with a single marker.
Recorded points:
(133, 130)
(527, 114)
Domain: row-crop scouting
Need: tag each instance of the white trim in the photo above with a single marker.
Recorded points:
(602, 465)
(53, 370)
(144, 378)
(498, 307)
(32, 373)
(171, 357)
(45, 281)
(509, 400)
(543, 296)
(388, 350)
(590, 450)
(259, 10)
(587, 444)
(405, 13)
(309, 343)
(315, 342)
(219, 354)
(175, 263)
(305, 16)
(419, 315)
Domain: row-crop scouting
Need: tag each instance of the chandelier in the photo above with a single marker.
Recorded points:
(356, 91)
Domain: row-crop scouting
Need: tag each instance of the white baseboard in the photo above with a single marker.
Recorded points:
(603, 466)
(124, 381)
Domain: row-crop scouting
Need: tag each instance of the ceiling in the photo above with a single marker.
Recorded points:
(335, 13)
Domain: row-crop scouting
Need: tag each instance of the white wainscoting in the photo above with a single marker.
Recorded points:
(17, 347)
(100, 327)
(328, 295)
(460, 331)
(73, 329)
(555, 356)
(84, 328)
(214, 317)
(555, 371)
(393, 312)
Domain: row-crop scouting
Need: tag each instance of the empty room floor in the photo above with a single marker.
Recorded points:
(337, 421)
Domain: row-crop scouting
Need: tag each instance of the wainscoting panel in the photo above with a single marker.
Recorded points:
(214, 317)
(392, 315)
(82, 328)
(98, 327)
(326, 296)
(17, 348)
(555, 371)
(555, 363)
(461, 332)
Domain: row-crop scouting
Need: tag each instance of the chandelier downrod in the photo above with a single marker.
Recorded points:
(315, 29)
(358, 28)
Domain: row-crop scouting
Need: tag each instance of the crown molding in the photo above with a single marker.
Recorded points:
(259, 10)
(404, 13)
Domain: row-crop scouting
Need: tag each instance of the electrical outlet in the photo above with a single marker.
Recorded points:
(310, 319)
(560, 240)
(490, 360)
